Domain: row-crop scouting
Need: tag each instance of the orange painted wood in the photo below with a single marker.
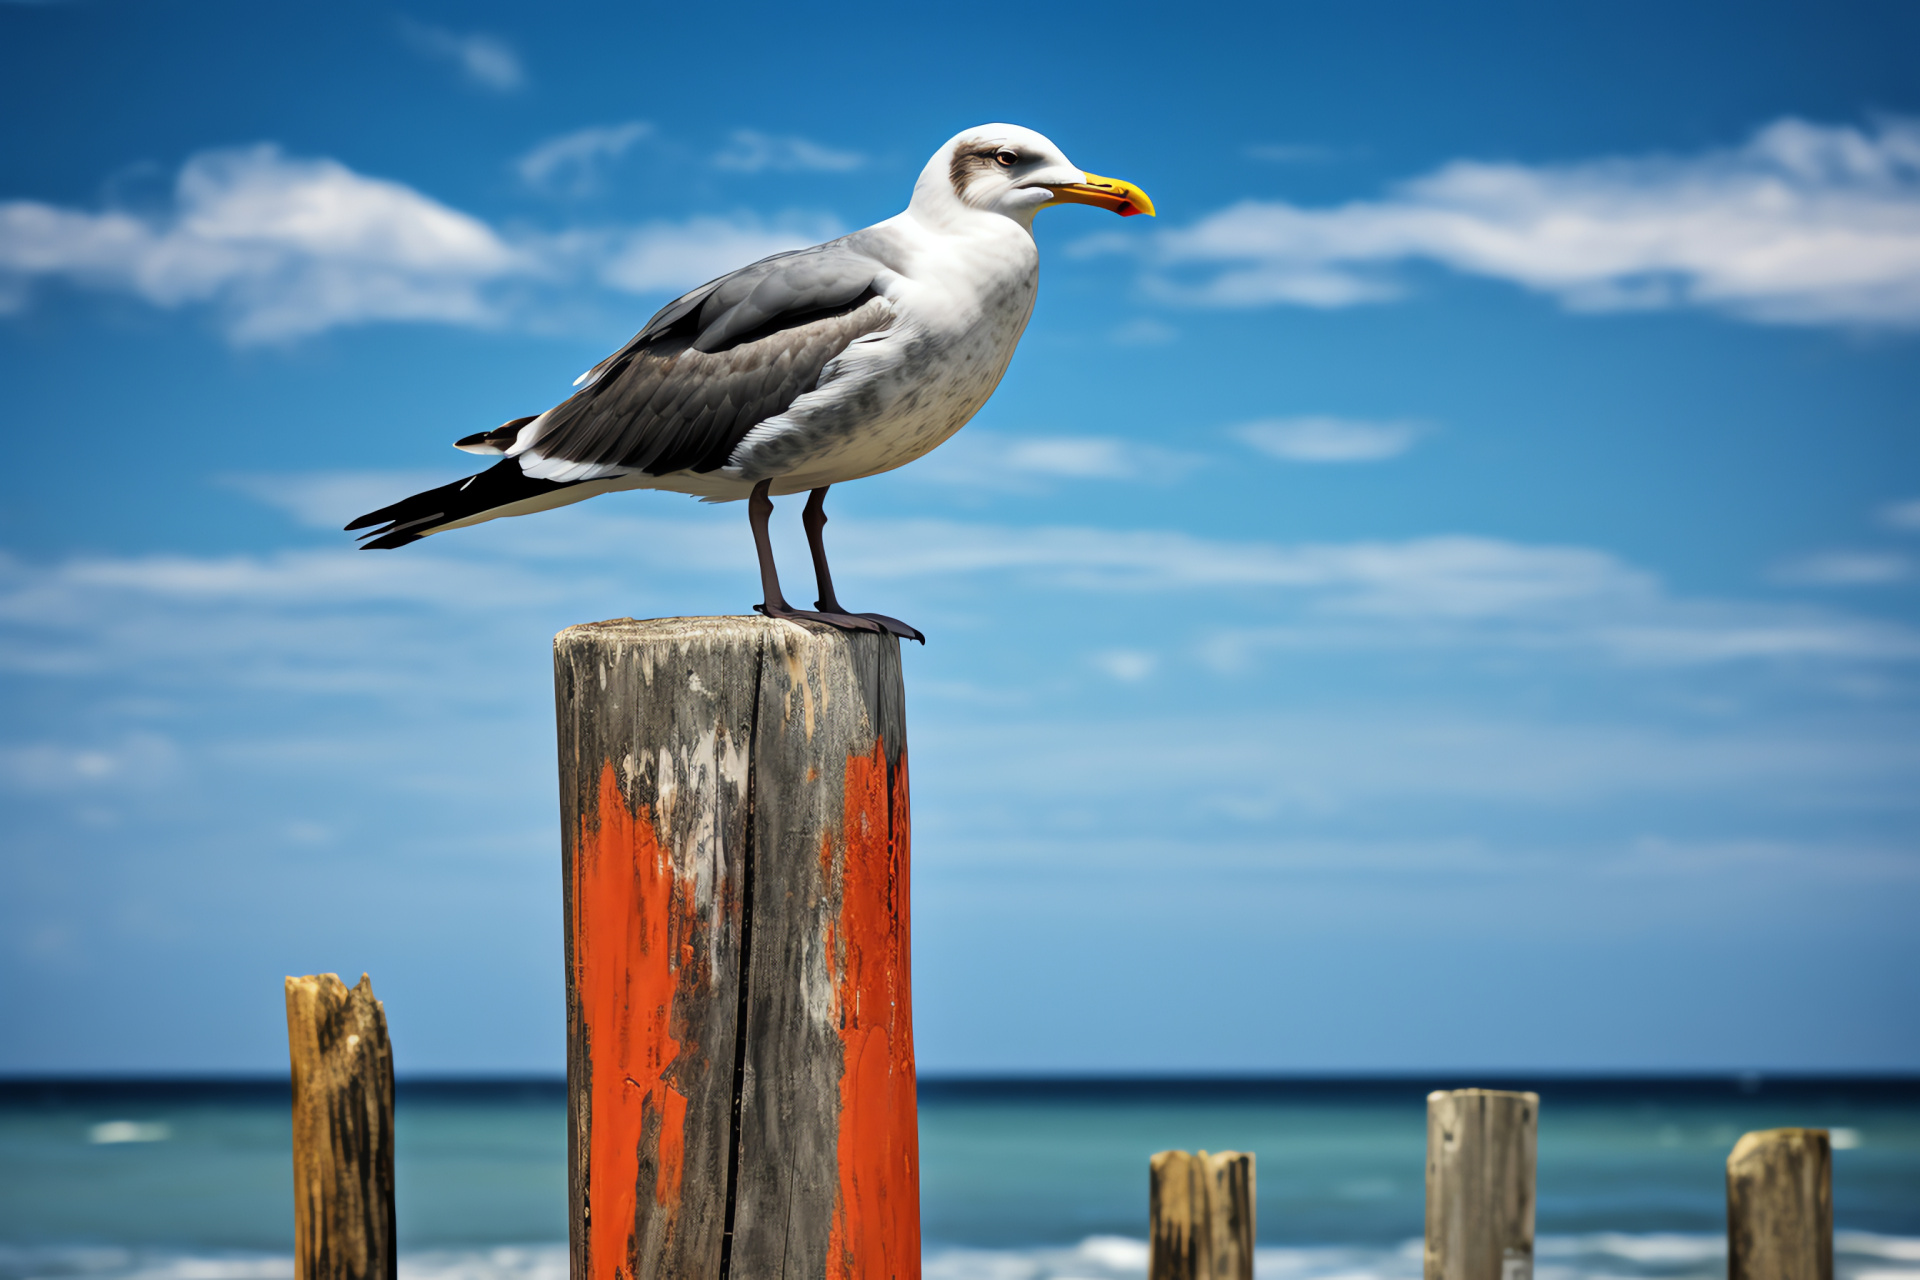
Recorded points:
(740, 1019)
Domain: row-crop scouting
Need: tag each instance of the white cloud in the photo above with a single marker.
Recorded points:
(1438, 577)
(1291, 152)
(1144, 331)
(997, 462)
(572, 163)
(1804, 224)
(1326, 439)
(749, 151)
(337, 620)
(1129, 666)
(1844, 569)
(329, 499)
(484, 60)
(1447, 591)
(286, 247)
(1289, 762)
(137, 760)
(1902, 515)
(680, 255)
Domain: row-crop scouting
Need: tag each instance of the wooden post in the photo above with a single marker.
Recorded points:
(342, 1130)
(1780, 1206)
(1200, 1216)
(740, 1075)
(1480, 1160)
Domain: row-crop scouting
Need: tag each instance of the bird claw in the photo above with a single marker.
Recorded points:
(844, 621)
(892, 625)
(876, 622)
(896, 626)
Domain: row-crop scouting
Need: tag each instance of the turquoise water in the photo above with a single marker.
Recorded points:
(1019, 1181)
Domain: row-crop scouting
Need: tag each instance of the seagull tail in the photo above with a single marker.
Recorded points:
(501, 490)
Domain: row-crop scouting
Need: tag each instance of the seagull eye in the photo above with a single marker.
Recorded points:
(1007, 159)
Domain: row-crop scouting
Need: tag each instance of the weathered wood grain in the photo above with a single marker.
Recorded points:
(1200, 1216)
(741, 1081)
(342, 1130)
(1780, 1206)
(1480, 1184)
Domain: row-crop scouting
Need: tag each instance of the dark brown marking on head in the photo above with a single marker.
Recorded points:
(969, 159)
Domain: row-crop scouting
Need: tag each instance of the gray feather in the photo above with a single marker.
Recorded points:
(713, 364)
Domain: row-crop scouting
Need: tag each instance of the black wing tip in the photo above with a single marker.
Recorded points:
(398, 532)
(413, 518)
(389, 541)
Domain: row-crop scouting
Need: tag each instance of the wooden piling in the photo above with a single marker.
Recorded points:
(740, 1032)
(1200, 1216)
(1480, 1184)
(1780, 1206)
(342, 1130)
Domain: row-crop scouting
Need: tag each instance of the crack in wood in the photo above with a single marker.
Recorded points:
(746, 973)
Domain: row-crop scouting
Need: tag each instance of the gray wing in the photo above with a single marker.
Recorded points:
(713, 364)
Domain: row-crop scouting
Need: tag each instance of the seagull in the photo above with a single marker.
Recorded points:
(800, 371)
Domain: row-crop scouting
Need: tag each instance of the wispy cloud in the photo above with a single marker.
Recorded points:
(485, 60)
(1293, 152)
(1292, 763)
(1144, 331)
(1804, 224)
(329, 499)
(1447, 591)
(285, 247)
(1327, 439)
(318, 620)
(1844, 569)
(140, 759)
(1902, 515)
(998, 462)
(1129, 666)
(573, 163)
(1419, 592)
(749, 151)
(680, 255)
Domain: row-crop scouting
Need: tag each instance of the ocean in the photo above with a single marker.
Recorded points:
(1021, 1179)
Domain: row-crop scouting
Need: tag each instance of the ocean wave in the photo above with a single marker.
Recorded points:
(1600, 1256)
(518, 1262)
(1858, 1255)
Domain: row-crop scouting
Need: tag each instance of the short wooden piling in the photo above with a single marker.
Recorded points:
(1200, 1216)
(1480, 1184)
(740, 1030)
(342, 1130)
(1780, 1206)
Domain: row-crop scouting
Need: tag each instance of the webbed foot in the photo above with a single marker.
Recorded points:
(844, 621)
(896, 626)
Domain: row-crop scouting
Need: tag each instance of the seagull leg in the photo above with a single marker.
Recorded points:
(759, 507)
(814, 519)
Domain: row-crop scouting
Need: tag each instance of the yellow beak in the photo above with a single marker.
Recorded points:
(1123, 198)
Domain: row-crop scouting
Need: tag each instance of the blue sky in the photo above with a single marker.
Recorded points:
(1442, 595)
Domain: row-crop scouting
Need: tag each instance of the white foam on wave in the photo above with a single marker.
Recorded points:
(1598, 1256)
(1653, 1248)
(106, 1263)
(523, 1262)
(1858, 1255)
(1898, 1248)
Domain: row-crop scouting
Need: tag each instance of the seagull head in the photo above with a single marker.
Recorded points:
(1015, 172)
